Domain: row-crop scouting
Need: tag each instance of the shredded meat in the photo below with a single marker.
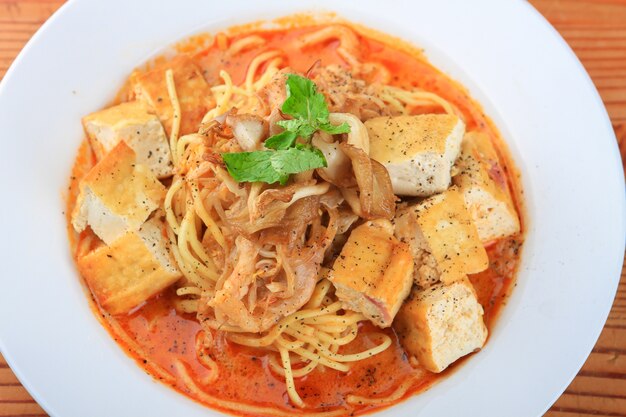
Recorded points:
(293, 224)
(274, 93)
(252, 299)
(375, 193)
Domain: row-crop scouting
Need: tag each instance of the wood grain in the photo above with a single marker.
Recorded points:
(596, 30)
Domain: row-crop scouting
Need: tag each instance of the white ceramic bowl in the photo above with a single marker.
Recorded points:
(511, 60)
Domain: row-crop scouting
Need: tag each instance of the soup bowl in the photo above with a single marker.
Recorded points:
(508, 57)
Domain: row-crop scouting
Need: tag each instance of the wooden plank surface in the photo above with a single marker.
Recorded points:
(596, 30)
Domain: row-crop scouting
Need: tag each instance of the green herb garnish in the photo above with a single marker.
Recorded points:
(284, 155)
(273, 165)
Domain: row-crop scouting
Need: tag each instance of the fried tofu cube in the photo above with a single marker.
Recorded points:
(117, 195)
(418, 151)
(132, 123)
(443, 239)
(131, 269)
(484, 189)
(193, 92)
(373, 273)
(441, 324)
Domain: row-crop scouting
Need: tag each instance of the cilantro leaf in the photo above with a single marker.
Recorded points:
(272, 166)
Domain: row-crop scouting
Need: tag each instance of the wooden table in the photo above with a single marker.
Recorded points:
(596, 30)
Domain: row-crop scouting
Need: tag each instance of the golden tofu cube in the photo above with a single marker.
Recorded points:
(117, 195)
(443, 239)
(373, 273)
(418, 151)
(131, 269)
(441, 324)
(483, 185)
(132, 123)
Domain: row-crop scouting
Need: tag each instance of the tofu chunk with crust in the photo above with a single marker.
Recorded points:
(418, 151)
(192, 90)
(132, 123)
(373, 273)
(441, 324)
(443, 239)
(131, 269)
(117, 195)
(484, 189)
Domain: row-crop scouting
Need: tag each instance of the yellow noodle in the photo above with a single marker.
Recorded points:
(186, 306)
(194, 209)
(187, 271)
(196, 246)
(244, 44)
(394, 396)
(206, 361)
(348, 57)
(391, 100)
(339, 340)
(190, 290)
(318, 295)
(347, 319)
(297, 373)
(337, 357)
(254, 66)
(223, 101)
(170, 216)
(183, 142)
(284, 323)
(204, 270)
(291, 345)
(396, 96)
(171, 91)
(291, 387)
(206, 218)
(322, 360)
(234, 89)
(266, 77)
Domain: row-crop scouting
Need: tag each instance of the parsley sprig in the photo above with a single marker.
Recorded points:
(284, 155)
